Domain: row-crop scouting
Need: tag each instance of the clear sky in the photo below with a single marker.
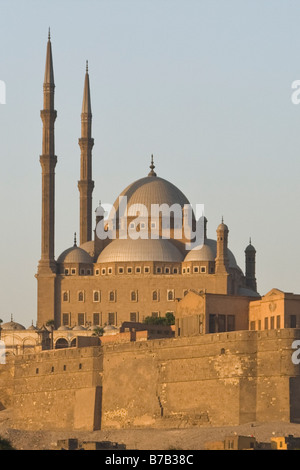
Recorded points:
(204, 85)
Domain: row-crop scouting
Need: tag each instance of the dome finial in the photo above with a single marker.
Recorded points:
(250, 241)
(222, 220)
(49, 36)
(11, 317)
(87, 66)
(75, 241)
(152, 166)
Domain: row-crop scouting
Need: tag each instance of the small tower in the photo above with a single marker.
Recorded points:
(250, 255)
(222, 261)
(86, 184)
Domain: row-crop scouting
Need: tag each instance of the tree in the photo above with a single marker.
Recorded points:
(168, 320)
(98, 331)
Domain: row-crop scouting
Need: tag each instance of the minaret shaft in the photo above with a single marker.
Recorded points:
(48, 161)
(86, 184)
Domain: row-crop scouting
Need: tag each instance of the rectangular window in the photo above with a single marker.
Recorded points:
(266, 323)
(129, 270)
(82, 271)
(221, 323)
(278, 321)
(231, 323)
(293, 321)
(133, 317)
(196, 269)
(146, 269)
(138, 269)
(203, 269)
(252, 325)
(272, 323)
(96, 319)
(212, 323)
(88, 272)
(259, 325)
(80, 319)
(66, 319)
(73, 271)
(111, 318)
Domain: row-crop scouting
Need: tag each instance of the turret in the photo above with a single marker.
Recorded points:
(250, 254)
(222, 261)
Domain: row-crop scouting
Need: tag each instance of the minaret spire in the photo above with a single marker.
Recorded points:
(86, 184)
(48, 161)
(47, 266)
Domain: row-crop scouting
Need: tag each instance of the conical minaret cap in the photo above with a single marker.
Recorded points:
(86, 102)
(49, 74)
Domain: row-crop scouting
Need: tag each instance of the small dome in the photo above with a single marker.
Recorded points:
(209, 253)
(12, 325)
(204, 253)
(110, 330)
(140, 250)
(63, 328)
(78, 328)
(222, 227)
(75, 255)
(32, 327)
(89, 247)
(250, 247)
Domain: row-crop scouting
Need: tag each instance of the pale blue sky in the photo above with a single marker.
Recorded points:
(203, 85)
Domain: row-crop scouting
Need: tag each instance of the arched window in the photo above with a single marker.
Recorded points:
(170, 295)
(133, 296)
(61, 343)
(65, 296)
(96, 296)
(80, 296)
(155, 295)
(111, 296)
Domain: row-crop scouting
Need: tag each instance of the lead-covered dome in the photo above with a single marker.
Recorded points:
(208, 252)
(12, 325)
(75, 255)
(151, 190)
(140, 250)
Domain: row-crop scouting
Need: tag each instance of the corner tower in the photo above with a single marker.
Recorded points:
(47, 265)
(222, 261)
(86, 184)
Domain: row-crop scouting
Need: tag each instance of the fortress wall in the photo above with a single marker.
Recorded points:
(217, 379)
(220, 379)
(58, 389)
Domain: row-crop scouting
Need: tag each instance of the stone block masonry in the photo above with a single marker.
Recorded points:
(214, 379)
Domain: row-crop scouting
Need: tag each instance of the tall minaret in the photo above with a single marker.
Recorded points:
(86, 184)
(46, 274)
(48, 161)
(222, 261)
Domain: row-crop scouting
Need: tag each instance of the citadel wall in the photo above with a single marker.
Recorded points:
(216, 379)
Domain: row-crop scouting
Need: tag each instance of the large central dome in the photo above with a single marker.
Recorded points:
(152, 190)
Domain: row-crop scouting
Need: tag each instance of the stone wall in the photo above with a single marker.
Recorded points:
(217, 379)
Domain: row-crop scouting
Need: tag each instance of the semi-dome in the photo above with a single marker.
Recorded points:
(75, 254)
(208, 252)
(140, 250)
(12, 325)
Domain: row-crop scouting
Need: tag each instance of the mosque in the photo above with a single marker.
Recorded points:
(94, 361)
(133, 262)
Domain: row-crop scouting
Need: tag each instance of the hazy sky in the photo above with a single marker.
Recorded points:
(203, 85)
